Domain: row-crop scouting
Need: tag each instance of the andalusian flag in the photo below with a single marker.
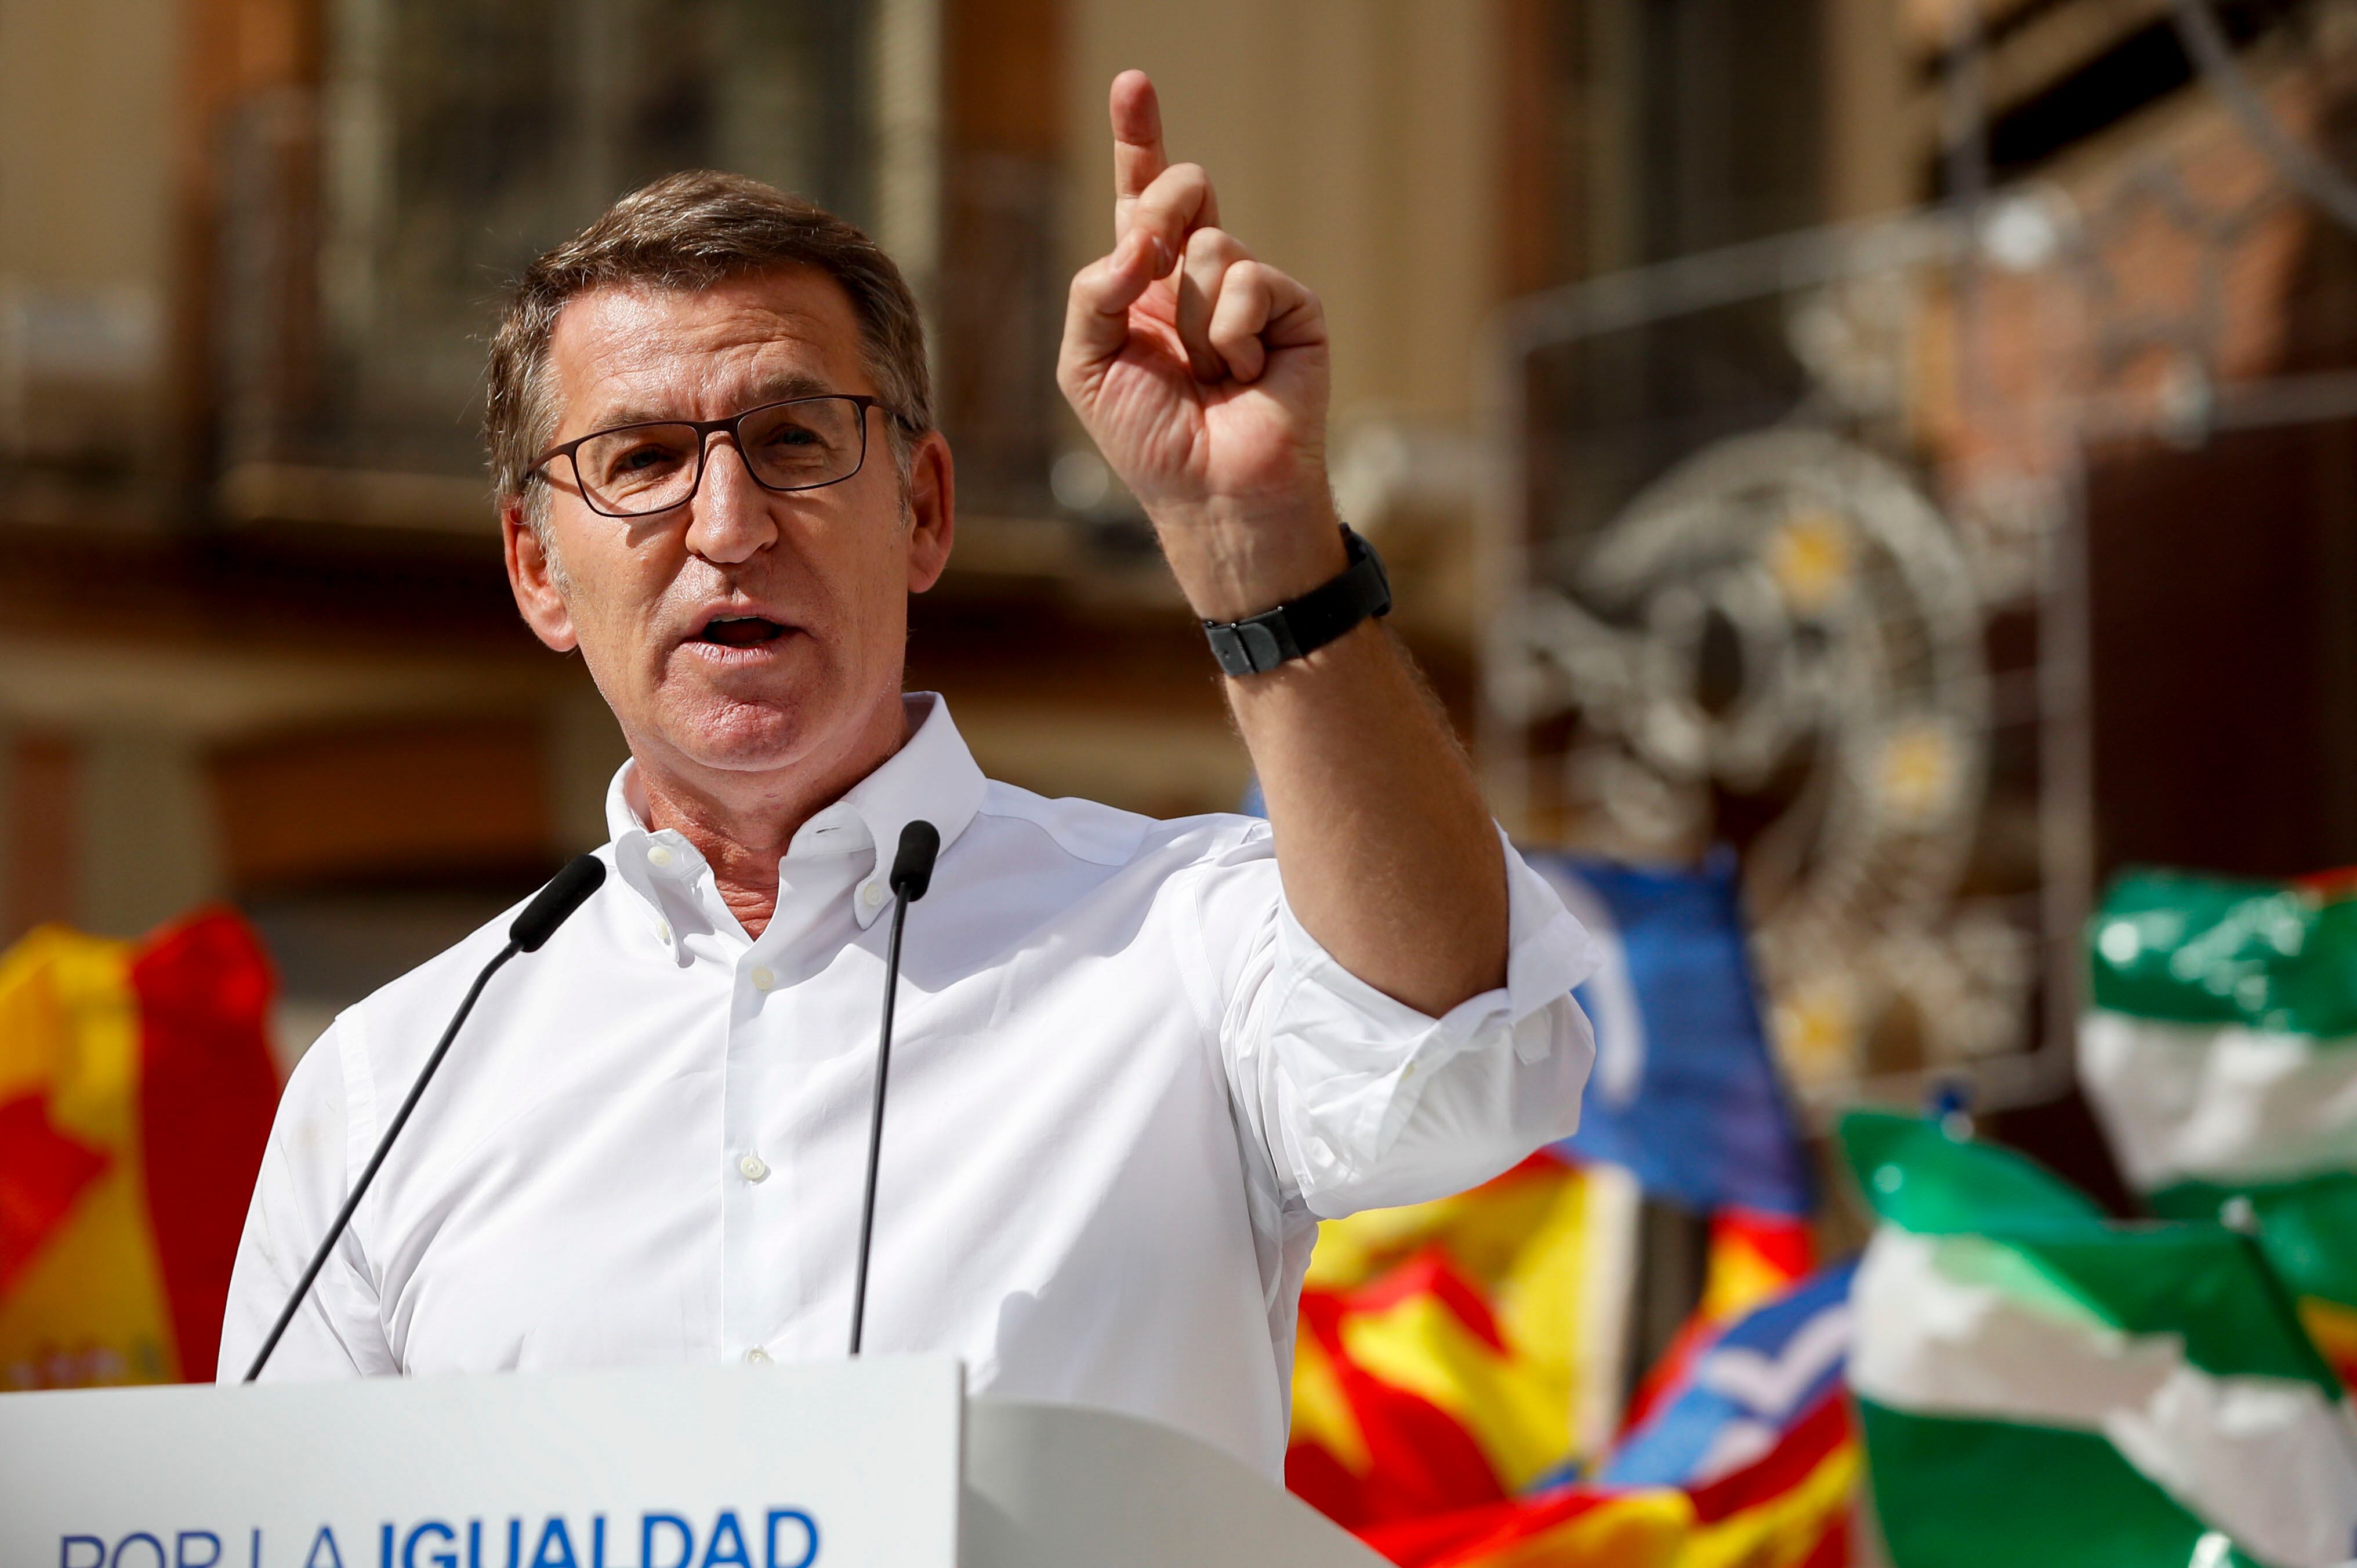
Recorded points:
(136, 1088)
(2222, 1055)
(2039, 1384)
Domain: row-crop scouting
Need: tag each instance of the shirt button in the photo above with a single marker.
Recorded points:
(659, 856)
(872, 894)
(762, 979)
(757, 1357)
(662, 932)
(754, 1168)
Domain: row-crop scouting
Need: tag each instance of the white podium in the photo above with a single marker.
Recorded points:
(878, 1463)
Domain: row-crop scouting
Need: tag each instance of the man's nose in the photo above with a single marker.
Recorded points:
(729, 518)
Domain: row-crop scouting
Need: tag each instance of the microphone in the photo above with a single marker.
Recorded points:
(912, 873)
(550, 907)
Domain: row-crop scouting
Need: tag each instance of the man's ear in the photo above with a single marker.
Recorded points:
(932, 510)
(532, 574)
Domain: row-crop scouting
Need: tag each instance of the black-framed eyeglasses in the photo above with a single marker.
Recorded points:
(801, 444)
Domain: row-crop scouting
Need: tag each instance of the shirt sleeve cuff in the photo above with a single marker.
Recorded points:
(1359, 1059)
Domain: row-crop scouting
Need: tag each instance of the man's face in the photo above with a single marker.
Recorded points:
(748, 630)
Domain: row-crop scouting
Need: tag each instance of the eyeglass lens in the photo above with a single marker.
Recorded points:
(795, 445)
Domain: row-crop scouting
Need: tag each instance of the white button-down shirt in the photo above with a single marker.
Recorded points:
(1125, 1084)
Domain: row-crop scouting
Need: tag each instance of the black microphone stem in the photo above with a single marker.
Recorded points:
(550, 907)
(876, 1120)
(376, 1160)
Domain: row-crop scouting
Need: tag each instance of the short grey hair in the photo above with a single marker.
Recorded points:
(691, 231)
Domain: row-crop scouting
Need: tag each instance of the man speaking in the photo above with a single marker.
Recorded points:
(1136, 1061)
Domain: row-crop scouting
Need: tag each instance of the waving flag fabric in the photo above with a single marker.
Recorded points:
(1460, 1367)
(1685, 1095)
(1740, 1394)
(1783, 1506)
(2222, 1055)
(2039, 1384)
(1750, 1459)
(1451, 1353)
(136, 1088)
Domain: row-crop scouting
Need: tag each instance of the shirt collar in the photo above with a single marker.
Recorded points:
(933, 778)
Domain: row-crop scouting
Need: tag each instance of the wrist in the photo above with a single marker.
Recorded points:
(1231, 565)
(1300, 625)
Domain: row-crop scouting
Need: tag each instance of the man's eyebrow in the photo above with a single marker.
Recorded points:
(774, 389)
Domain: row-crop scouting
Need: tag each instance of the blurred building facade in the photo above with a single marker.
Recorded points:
(254, 643)
(1921, 443)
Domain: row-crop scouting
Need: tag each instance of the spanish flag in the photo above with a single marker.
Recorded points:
(136, 1089)
(1458, 1374)
(1453, 1353)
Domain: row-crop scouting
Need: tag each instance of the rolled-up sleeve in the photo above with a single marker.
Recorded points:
(1360, 1101)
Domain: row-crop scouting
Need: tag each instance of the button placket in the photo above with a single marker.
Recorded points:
(761, 1265)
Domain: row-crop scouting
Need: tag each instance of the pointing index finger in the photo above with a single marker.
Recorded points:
(1137, 156)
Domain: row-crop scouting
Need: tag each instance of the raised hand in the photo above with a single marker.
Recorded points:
(1201, 375)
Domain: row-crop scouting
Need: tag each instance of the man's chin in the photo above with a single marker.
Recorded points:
(750, 737)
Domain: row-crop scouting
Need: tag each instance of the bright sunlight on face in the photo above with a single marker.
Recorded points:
(730, 521)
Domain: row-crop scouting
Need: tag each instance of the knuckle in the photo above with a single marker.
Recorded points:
(1216, 243)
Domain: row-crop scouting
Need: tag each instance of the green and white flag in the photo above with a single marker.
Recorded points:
(2221, 1055)
(2039, 1384)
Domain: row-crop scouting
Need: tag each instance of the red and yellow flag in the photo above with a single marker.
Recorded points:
(1457, 1371)
(136, 1090)
(1787, 1510)
(1452, 1353)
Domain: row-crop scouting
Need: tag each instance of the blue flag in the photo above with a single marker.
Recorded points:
(1685, 1095)
(1742, 1392)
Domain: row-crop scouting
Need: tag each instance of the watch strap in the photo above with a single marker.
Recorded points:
(1259, 643)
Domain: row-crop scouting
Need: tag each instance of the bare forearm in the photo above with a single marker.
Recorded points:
(1388, 855)
(1203, 373)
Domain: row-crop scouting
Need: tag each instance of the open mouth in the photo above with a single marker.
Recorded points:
(740, 631)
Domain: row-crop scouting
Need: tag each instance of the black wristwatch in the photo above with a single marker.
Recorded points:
(1262, 642)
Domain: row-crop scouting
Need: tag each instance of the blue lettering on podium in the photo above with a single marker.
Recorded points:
(154, 1545)
(444, 1559)
(678, 1527)
(810, 1538)
(790, 1537)
(725, 1525)
(555, 1539)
